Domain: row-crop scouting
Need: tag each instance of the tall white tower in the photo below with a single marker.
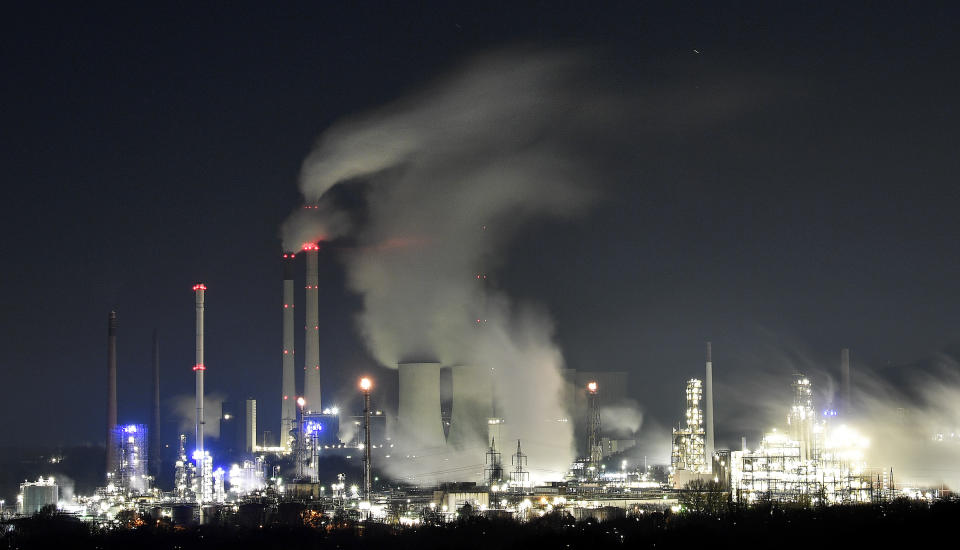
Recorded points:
(288, 386)
(708, 413)
(311, 359)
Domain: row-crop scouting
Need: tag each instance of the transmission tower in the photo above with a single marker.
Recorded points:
(493, 469)
(521, 477)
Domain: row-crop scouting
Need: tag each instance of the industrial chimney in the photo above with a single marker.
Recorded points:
(311, 359)
(111, 392)
(418, 414)
(845, 380)
(708, 447)
(288, 386)
(154, 444)
(198, 367)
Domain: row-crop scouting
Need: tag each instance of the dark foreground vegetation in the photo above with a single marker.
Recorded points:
(901, 523)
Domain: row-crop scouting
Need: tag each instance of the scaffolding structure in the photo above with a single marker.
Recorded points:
(688, 451)
(594, 431)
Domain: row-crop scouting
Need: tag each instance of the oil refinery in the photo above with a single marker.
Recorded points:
(449, 447)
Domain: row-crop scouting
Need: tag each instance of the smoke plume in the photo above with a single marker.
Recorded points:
(448, 176)
(184, 409)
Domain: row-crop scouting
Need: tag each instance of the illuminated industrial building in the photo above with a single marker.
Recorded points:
(815, 461)
(688, 452)
(131, 475)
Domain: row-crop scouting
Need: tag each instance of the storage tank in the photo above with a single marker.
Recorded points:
(35, 495)
(418, 417)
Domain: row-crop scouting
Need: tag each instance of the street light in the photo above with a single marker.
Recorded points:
(365, 386)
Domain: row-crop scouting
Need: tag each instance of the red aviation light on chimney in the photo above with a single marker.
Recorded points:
(311, 246)
(199, 286)
(199, 367)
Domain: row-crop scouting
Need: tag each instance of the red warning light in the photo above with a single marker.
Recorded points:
(200, 286)
(199, 367)
(311, 246)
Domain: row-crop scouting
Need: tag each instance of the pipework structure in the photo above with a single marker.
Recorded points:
(801, 418)
(311, 360)
(288, 407)
(688, 442)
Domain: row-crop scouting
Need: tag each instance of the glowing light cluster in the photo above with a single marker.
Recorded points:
(199, 367)
(311, 246)
(199, 286)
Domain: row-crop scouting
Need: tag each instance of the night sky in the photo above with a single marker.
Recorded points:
(146, 150)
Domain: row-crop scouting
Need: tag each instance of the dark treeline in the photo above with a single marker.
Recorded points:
(903, 522)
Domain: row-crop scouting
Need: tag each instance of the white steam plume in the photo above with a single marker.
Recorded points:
(184, 408)
(450, 175)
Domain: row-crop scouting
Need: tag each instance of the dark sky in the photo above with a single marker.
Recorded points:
(145, 150)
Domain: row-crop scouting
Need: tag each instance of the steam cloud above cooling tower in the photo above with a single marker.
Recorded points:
(449, 175)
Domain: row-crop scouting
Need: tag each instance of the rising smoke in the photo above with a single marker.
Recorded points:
(449, 176)
(184, 409)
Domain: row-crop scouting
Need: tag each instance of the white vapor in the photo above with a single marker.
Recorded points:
(450, 176)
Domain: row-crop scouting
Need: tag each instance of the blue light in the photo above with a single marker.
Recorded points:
(131, 429)
(830, 412)
(313, 427)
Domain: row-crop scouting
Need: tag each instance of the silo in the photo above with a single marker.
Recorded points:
(418, 417)
(472, 406)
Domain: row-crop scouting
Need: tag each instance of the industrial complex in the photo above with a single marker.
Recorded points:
(449, 447)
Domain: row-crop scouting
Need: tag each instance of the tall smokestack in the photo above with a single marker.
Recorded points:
(708, 379)
(198, 367)
(111, 392)
(845, 380)
(311, 360)
(288, 386)
(154, 445)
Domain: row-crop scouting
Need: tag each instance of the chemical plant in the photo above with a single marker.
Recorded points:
(441, 455)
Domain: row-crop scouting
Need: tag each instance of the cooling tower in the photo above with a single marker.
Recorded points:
(708, 413)
(288, 386)
(418, 416)
(472, 406)
(311, 356)
(111, 392)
